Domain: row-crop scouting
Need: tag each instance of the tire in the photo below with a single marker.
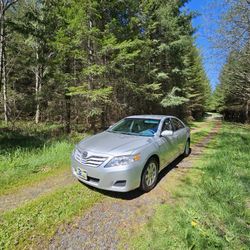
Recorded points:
(149, 175)
(187, 149)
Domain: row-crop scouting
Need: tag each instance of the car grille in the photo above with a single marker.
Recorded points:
(90, 161)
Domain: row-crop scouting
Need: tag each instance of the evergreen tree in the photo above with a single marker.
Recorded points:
(233, 94)
(94, 62)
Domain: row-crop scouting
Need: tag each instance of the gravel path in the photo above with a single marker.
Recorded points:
(26, 194)
(101, 226)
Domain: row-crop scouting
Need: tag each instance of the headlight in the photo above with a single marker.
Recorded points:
(123, 160)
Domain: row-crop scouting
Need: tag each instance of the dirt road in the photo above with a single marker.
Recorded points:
(27, 194)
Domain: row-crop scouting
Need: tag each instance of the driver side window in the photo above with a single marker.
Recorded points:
(167, 125)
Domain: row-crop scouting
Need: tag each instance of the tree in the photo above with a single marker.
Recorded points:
(232, 94)
(230, 27)
(4, 6)
(197, 87)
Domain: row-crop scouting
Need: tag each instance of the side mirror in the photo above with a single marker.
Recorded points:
(166, 133)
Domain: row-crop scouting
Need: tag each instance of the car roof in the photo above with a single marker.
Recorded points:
(158, 117)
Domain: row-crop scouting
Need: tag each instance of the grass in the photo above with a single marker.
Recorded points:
(200, 130)
(34, 224)
(22, 167)
(30, 153)
(211, 209)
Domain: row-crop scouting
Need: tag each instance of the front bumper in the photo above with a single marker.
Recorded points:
(120, 179)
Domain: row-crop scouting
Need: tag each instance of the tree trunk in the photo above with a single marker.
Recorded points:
(247, 112)
(5, 96)
(4, 6)
(3, 80)
(91, 59)
(68, 113)
(2, 85)
(1, 42)
(90, 77)
(38, 91)
(38, 88)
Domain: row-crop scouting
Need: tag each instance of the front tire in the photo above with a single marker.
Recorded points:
(149, 175)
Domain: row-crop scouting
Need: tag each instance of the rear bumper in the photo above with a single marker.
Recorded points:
(120, 179)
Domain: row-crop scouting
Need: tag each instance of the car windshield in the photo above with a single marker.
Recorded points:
(136, 126)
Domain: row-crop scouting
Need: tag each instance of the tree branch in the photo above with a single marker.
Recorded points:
(8, 4)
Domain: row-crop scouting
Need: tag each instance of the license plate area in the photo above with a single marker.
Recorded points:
(82, 174)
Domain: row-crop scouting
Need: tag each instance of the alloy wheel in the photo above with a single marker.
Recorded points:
(151, 174)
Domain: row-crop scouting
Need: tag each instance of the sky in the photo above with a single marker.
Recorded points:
(212, 63)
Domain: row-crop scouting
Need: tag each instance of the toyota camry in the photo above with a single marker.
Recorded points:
(131, 153)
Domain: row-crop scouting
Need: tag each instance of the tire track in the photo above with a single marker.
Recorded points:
(26, 194)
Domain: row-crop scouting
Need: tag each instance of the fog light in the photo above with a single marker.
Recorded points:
(120, 183)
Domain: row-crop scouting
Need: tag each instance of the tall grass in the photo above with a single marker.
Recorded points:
(21, 165)
(212, 205)
(29, 153)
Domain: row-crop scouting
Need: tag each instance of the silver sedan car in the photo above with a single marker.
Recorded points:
(131, 153)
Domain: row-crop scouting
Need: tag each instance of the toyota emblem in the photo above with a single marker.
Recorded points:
(84, 154)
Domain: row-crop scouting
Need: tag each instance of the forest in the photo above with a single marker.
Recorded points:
(86, 64)
(94, 62)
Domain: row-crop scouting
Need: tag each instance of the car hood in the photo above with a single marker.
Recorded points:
(113, 143)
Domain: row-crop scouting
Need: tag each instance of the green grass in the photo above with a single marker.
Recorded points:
(31, 153)
(200, 130)
(211, 209)
(21, 166)
(35, 223)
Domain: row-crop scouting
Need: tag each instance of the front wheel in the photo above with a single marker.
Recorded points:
(149, 175)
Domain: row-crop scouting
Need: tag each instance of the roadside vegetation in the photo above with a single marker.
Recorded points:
(30, 153)
(211, 206)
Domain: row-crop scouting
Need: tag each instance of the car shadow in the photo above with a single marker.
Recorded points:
(137, 192)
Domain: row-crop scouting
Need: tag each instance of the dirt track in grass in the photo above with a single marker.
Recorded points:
(27, 194)
(101, 226)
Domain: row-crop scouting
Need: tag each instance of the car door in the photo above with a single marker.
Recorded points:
(180, 134)
(168, 145)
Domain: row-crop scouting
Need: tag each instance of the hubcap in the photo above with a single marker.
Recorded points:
(151, 174)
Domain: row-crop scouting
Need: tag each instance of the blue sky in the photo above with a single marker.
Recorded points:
(211, 63)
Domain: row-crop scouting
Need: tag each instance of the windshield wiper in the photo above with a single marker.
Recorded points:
(119, 132)
(124, 133)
